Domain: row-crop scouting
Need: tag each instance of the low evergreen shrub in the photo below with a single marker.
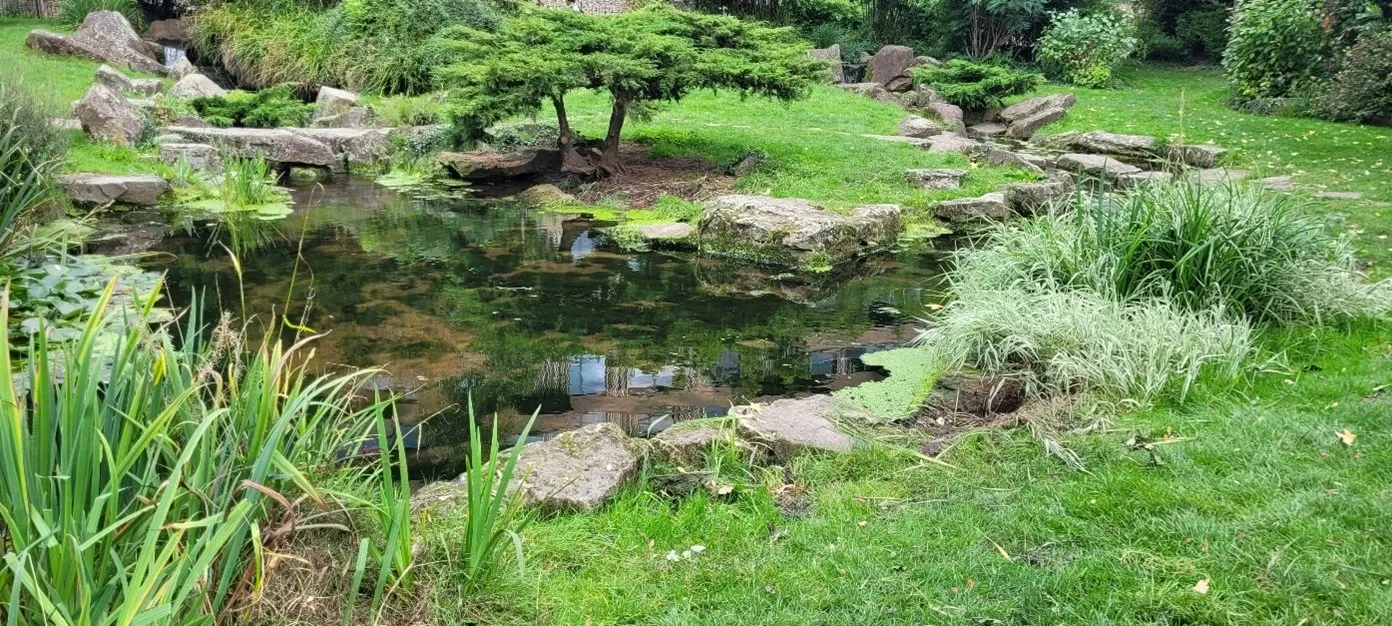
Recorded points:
(976, 85)
(269, 108)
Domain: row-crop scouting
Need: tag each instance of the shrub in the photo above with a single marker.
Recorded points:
(976, 85)
(269, 108)
(1083, 49)
(1239, 250)
(1362, 90)
(71, 13)
(818, 12)
(1204, 32)
(1275, 48)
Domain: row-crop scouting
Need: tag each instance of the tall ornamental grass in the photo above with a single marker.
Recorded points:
(31, 151)
(143, 485)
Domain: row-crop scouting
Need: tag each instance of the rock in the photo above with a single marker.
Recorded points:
(1025, 127)
(104, 36)
(937, 178)
(951, 142)
(790, 425)
(119, 83)
(873, 91)
(1031, 198)
(1282, 184)
(356, 117)
(919, 127)
(988, 207)
(66, 123)
(191, 121)
(102, 189)
(1338, 195)
(196, 86)
(181, 68)
(950, 115)
(1218, 175)
(913, 141)
(1131, 181)
(1101, 142)
(832, 56)
(992, 155)
(789, 231)
(169, 33)
(665, 232)
(578, 470)
(106, 116)
(331, 102)
(486, 164)
(686, 444)
(277, 145)
(925, 95)
(199, 156)
(747, 163)
(1197, 155)
(544, 195)
(355, 145)
(148, 87)
(987, 129)
(1024, 109)
(1095, 165)
(926, 61)
(890, 67)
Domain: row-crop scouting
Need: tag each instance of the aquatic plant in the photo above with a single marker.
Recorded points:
(147, 484)
(31, 151)
(912, 372)
(247, 186)
(494, 515)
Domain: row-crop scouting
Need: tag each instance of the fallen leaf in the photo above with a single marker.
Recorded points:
(1201, 587)
(1347, 437)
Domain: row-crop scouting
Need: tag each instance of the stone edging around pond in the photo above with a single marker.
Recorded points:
(582, 469)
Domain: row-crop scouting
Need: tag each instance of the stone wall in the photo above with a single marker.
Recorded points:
(29, 8)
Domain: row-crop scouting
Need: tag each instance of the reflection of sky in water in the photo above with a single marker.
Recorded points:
(583, 247)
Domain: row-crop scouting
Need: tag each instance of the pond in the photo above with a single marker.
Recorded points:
(523, 310)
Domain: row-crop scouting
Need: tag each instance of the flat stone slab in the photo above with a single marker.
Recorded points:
(100, 189)
(687, 444)
(1026, 108)
(913, 141)
(1216, 175)
(1198, 155)
(937, 178)
(790, 425)
(1031, 198)
(493, 164)
(198, 156)
(951, 142)
(1144, 178)
(1338, 195)
(1102, 142)
(1095, 165)
(273, 144)
(1278, 183)
(988, 207)
(358, 145)
(578, 470)
(920, 127)
(666, 231)
(1025, 127)
(792, 231)
(988, 129)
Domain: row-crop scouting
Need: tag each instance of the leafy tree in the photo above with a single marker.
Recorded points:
(640, 58)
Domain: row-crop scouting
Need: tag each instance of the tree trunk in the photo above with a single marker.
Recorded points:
(571, 160)
(609, 160)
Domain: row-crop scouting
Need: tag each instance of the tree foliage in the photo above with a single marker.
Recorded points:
(647, 56)
(976, 85)
(1276, 48)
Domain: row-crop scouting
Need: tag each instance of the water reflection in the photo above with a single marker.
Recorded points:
(521, 310)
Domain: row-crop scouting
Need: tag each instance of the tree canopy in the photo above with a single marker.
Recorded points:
(650, 55)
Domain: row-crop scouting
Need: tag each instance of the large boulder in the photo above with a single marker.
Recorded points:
(937, 178)
(104, 36)
(277, 145)
(356, 145)
(196, 86)
(1114, 144)
(949, 114)
(106, 116)
(331, 102)
(1025, 127)
(790, 231)
(832, 57)
(964, 210)
(102, 189)
(790, 425)
(1095, 165)
(890, 68)
(493, 164)
(577, 470)
(1031, 198)
(1032, 106)
(168, 33)
(918, 127)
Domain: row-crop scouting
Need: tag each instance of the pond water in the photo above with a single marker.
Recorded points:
(521, 309)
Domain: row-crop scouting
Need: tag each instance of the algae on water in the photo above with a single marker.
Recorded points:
(912, 373)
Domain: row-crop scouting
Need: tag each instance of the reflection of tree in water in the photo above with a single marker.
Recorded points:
(616, 381)
(553, 377)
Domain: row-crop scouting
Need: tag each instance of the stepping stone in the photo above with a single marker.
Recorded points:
(1030, 198)
(913, 141)
(951, 142)
(988, 129)
(1221, 175)
(578, 470)
(937, 178)
(686, 444)
(790, 425)
(102, 189)
(920, 127)
(988, 207)
(1338, 195)
(1278, 183)
(1095, 165)
(278, 145)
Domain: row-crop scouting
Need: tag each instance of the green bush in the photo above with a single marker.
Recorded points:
(818, 12)
(1275, 48)
(1362, 90)
(72, 12)
(976, 85)
(1083, 49)
(269, 108)
(1204, 32)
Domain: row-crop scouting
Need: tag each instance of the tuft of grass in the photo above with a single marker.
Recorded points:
(31, 150)
(493, 509)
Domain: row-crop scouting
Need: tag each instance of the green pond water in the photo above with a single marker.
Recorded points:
(523, 309)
